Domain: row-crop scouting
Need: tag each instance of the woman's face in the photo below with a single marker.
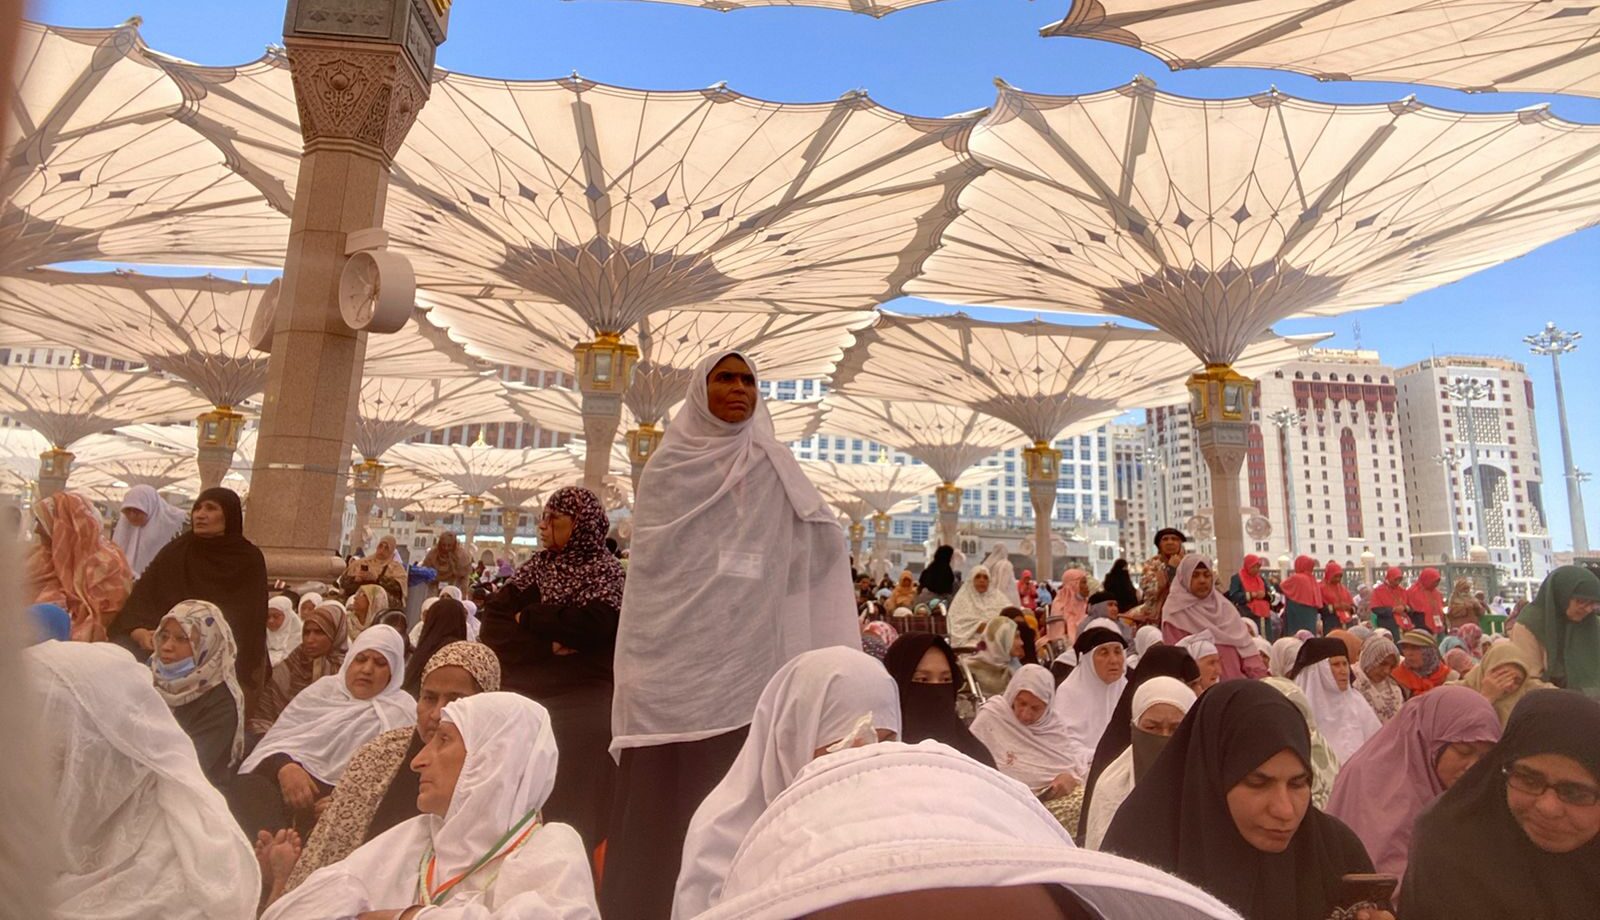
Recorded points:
(1457, 757)
(1380, 672)
(208, 519)
(1254, 569)
(385, 550)
(1108, 662)
(1340, 666)
(316, 642)
(359, 604)
(934, 668)
(980, 582)
(1412, 655)
(1083, 587)
(1210, 672)
(172, 643)
(731, 390)
(1513, 674)
(1270, 802)
(1551, 823)
(1170, 545)
(1580, 608)
(1200, 582)
(442, 686)
(135, 517)
(1161, 719)
(555, 529)
(1017, 648)
(367, 675)
(306, 606)
(438, 767)
(274, 618)
(1027, 708)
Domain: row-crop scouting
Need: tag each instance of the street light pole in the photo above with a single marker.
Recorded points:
(1285, 419)
(1448, 460)
(1555, 343)
(1467, 389)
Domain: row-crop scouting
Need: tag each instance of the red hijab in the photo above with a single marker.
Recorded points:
(1424, 598)
(1253, 583)
(1391, 593)
(1334, 593)
(1302, 586)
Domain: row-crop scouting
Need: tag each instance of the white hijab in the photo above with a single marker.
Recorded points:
(1146, 638)
(1284, 652)
(508, 772)
(1032, 754)
(812, 702)
(324, 724)
(892, 818)
(971, 609)
(312, 598)
(138, 830)
(1344, 717)
(141, 544)
(1116, 780)
(1002, 574)
(724, 517)
(281, 641)
(1086, 703)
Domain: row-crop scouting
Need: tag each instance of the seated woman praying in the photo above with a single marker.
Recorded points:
(1030, 739)
(283, 629)
(1089, 695)
(379, 789)
(925, 670)
(1227, 806)
(322, 648)
(1504, 677)
(1159, 705)
(893, 831)
(1345, 718)
(819, 700)
(137, 831)
(1518, 835)
(479, 849)
(305, 752)
(194, 672)
(997, 658)
(1408, 764)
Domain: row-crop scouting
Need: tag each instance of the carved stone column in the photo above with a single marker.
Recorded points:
(949, 499)
(1043, 464)
(361, 74)
(1219, 408)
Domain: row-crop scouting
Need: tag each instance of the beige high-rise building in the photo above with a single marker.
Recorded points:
(1434, 424)
(1132, 481)
(1343, 463)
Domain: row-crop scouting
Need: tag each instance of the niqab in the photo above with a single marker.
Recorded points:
(928, 711)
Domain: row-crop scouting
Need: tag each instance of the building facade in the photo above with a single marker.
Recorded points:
(1440, 434)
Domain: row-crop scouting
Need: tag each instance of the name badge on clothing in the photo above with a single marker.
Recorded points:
(739, 565)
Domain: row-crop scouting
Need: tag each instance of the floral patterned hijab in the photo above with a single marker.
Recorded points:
(79, 569)
(583, 570)
(214, 655)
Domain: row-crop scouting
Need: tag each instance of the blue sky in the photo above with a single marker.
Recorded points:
(940, 59)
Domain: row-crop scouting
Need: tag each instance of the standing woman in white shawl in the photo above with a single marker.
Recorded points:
(724, 515)
(819, 699)
(302, 756)
(146, 524)
(138, 831)
(1003, 574)
(978, 602)
(479, 850)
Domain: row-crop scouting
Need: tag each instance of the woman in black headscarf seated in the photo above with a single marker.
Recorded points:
(924, 668)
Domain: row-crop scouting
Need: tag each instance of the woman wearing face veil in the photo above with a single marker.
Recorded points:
(720, 482)
(924, 668)
(1227, 806)
(1518, 835)
(1159, 705)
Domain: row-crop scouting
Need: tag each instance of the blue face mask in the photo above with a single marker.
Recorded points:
(181, 668)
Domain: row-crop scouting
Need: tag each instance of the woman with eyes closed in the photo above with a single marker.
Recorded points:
(1227, 806)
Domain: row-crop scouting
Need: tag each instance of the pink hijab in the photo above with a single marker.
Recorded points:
(1191, 613)
(1068, 609)
(1391, 779)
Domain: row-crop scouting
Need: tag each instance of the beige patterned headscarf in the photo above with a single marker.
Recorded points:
(476, 658)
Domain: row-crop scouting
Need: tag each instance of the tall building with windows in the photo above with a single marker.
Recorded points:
(1130, 504)
(1437, 424)
(1340, 467)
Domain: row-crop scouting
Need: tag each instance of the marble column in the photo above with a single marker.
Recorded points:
(1220, 401)
(858, 536)
(1043, 464)
(359, 82)
(509, 519)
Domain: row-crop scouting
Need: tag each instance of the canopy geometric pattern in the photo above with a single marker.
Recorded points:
(394, 409)
(1479, 45)
(618, 202)
(949, 439)
(96, 168)
(555, 467)
(182, 440)
(19, 459)
(1039, 377)
(65, 404)
(877, 9)
(471, 469)
(884, 486)
(1213, 219)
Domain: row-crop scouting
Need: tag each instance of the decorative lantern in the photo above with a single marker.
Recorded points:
(642, 443)
(1219, 394)
(219, 429)
(606, 364)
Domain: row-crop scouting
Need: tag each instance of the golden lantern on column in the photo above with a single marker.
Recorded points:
(606, 364)
(1219, 394)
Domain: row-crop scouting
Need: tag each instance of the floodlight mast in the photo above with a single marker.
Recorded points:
(1556, 342)
(1468, 390)
(1284, 420)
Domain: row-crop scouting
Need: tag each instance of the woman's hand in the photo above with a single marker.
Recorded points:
(1499, 684)
(145, 638)
(1062, 785)
(299, 789)
(1374, 913)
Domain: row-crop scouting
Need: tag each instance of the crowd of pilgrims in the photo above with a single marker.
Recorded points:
(733, 723)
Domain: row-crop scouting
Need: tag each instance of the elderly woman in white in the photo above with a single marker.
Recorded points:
(479, 850)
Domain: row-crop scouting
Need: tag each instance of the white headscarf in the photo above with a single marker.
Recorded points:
(508, 772)
(163, 522)
(811, 702)
(474, 625)
(1032, 754)
(1144, 639)
(1284, 652)
(892, 818)
(1117, 780)
(1002, 573)
(971, 609)
(138, 830)
(1199, 645)
(999, 635)
(281, 641)
(324, 724)
(1086, 702)
(314, 599)
(1344, 717)
(724, 515)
